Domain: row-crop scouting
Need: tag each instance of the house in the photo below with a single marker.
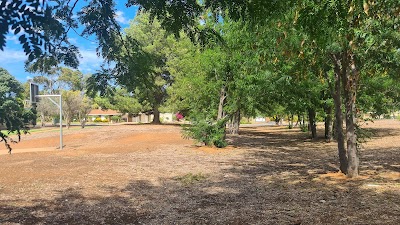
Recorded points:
(148, 117)
(103, 115)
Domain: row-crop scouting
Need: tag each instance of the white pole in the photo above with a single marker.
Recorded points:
(59, 106)
(61, 126)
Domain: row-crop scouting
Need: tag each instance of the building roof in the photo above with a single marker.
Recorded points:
(102, 112)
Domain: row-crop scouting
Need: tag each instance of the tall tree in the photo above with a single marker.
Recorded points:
(355, 33)
(152, 87)
(13, 116)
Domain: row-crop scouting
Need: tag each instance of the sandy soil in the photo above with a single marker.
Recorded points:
(147, 174)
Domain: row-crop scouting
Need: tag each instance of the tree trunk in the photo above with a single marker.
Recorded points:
(298, 122)
(290, 121)
(82, 120)
(339, 116)
(156, 113)
(221, 113)
(312, 124)
(42, 119)
(222, 97)
(350, 91)
(67, 121)
(235, 123)
(328, 123)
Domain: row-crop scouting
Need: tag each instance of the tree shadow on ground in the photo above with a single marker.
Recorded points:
(280, 180)
(71, 207)
(234, 198)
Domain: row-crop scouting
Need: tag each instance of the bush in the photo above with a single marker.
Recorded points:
(99, 120)
(208, 132)
(304, 127)
(245, 121)
(116, 118)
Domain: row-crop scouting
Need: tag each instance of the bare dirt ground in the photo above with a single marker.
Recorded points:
(147, 174)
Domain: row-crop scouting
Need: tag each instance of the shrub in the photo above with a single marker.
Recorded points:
(178, 116)
(116, 118)
(245, 121)
(208, 132)
(304, 127)
(99, 120)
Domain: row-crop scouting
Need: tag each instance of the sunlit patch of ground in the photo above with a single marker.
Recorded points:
(150, 175)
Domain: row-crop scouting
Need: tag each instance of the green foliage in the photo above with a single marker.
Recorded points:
(207, 132)
(122, 101)
(363, 134)
(245, 120)
(71, 79)
(13, 117)
(41, 29)
(304, 127)
(115, 118)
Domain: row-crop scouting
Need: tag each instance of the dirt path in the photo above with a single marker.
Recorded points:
(145, 174)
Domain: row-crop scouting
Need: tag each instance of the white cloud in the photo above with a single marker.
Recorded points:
(12, 56)
(89, 61)
(73, 40)
(12, 38)
(13, 59)
(119, 17)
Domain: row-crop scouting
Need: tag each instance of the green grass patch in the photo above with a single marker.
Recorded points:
(191, 178)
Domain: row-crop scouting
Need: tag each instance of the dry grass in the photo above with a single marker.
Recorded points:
(149, 175)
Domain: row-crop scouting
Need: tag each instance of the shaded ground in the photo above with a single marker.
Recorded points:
(146, 174)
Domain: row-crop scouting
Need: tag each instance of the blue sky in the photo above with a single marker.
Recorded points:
(12, 58)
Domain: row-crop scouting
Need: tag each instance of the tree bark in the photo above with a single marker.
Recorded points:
(82, 120)
(221, 113)
(42, 119)
(235, 123)
(313, 125)
(339, 116)
(290, 121)
(328, 123)
(222, 97)
(67, 121)
(156, 113)
(350, 92)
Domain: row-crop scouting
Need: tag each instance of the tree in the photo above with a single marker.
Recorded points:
(46, 109)
(71, 105)
(85, 106)
(357, 38)
(350, 33)
(122, 101)
(153, 40)
(42, 28)
(13, 117)
(70, 79)
(75, 105)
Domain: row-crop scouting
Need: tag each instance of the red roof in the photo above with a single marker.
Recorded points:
(108, 112)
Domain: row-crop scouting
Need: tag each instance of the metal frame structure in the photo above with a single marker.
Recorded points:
(34, 95)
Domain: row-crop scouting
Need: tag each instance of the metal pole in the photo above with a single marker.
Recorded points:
(61, 126)
(59, 106)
